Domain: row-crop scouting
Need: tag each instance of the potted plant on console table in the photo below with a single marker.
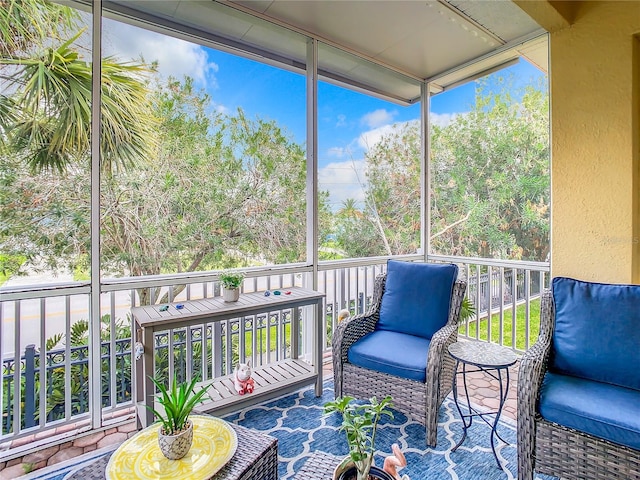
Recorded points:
(360, 422)
(175, 434)
(231, 283)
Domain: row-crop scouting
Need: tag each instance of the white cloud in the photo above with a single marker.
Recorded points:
(367, 140)
(222, 109)
(175, 57)
(342, 120)
(370, 138)
(378, 118)
(342, 181)
(443, 119)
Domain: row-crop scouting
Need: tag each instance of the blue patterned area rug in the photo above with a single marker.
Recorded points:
(297, 421)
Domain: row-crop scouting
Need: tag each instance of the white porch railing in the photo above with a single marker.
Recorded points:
(50, 378)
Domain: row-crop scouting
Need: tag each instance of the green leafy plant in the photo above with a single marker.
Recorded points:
(360, 423)
(467, 310)
(178, 402)
(230, 279)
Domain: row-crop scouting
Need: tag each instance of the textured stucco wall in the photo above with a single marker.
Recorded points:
(595, 158)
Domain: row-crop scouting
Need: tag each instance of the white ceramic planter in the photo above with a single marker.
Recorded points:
(231, 295)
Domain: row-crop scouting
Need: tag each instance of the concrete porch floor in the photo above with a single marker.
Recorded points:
(483, 390)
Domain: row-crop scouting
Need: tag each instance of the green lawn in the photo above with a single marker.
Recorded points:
(507, 326)
(261, 340)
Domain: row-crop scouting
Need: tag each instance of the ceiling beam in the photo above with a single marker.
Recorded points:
(546, 14)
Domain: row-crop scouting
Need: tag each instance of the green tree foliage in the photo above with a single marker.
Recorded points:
(490, 171)
(355, 234)
(393, 190)
(222, 191)
(489, 183)
(184, 188)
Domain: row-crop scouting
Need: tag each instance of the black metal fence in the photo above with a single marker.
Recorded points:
(56, 368)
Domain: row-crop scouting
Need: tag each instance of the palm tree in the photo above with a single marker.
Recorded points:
(350, 209)
(48, 108)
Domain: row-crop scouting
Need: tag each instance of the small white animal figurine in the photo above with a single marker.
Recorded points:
(343, 314)
(242, 378)
(395, 462)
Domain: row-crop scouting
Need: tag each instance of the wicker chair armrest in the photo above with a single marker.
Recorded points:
(439, 344)
(435, 357)
(533, 366)
(457, 295)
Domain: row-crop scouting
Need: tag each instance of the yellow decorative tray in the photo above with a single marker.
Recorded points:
(214, 443)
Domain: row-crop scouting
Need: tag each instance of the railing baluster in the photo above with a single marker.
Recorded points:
(17, 371)
(216, 354)
(42, 371)
(527, 308)
(478, 301)
(241, 340)
(228, 363)
(467, 272)
(170, 356)
(113, 371)
(501, 293)
(514, 306)
(268, 340)
(254, 340)
(489, 305)
(188, 359)
(67, 358)
(29, 385)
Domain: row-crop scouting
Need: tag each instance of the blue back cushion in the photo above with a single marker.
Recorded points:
(416, 298)
(597, 331)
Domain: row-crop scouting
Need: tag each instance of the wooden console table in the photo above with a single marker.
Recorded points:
(271, 380)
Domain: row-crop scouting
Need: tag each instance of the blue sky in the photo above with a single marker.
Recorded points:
(348, 122)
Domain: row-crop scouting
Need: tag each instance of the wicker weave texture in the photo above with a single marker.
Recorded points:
(420, 401)
(409, 396)
(574, 455)
(319, 466)
(255, 459)
(553, 449)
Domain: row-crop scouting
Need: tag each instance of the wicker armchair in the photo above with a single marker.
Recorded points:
(549, 448)
(420, 401)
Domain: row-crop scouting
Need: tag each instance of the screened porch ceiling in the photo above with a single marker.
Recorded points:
(385, 48)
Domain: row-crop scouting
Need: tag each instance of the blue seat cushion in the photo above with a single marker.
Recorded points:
(600, 409)
(416, 298)
(597, 331)
(394, 353)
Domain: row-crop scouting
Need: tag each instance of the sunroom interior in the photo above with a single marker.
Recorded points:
(405, 52)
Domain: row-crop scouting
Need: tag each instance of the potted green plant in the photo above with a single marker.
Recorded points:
(360, 423)
(175, 434)
(231, 282)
